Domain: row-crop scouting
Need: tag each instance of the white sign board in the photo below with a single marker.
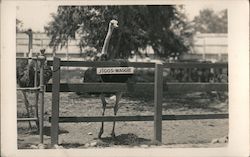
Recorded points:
(115, 70)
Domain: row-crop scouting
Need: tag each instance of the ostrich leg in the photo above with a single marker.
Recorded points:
(26, 102)
(104, 103)
(116, 107)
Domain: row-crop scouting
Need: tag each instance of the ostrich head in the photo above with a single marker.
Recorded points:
(113, 24)
(42, 51)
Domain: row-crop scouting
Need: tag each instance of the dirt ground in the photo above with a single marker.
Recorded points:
(175, 133)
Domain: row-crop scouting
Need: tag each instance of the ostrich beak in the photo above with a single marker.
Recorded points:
(116, 25)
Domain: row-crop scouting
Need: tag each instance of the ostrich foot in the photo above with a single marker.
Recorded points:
(100, 133)
(113, 135)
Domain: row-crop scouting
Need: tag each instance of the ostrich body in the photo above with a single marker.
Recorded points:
(91, 76)
(25, 74)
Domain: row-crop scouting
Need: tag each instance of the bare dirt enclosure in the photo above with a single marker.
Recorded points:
(175, 133)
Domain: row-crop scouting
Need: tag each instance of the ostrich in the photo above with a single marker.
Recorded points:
(91, 76)
(25, 73)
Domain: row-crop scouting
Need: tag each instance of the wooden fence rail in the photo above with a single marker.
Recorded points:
(156, 87)
(147, 87)
(103, 64)
(139, 118)
(138, 64)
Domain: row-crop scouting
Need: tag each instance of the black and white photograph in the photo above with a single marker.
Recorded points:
(100, 76)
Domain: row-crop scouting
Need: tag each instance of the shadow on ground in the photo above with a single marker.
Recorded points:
(124, 139)
(47, 130)
(129, 140)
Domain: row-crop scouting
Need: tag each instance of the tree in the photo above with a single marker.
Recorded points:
(210, 22)
(162, 27)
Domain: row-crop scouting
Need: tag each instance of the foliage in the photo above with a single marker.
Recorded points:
(162, 27)
(210, 22)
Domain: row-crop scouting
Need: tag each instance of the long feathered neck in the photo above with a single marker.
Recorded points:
(30, 64)
(106, 41)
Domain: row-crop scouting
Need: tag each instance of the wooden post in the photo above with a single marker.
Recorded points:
(37, 95)
(36, 69)
(158, 91)
(55, 101)
(42, 90)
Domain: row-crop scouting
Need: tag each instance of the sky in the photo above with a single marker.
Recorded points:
(37, 16)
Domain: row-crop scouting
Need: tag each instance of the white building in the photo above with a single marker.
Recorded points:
(211, 47)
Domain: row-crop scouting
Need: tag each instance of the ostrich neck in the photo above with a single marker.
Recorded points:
(106, 41)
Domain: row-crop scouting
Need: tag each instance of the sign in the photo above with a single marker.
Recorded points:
(115, 70)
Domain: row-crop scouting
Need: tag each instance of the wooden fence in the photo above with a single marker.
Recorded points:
(156, 87)
(38, 90)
